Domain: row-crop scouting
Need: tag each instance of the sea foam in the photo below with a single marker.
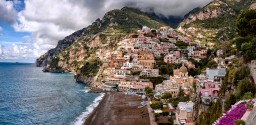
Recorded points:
(80, 120)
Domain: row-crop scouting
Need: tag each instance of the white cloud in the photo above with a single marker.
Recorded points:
(52, 20)
(17, 51)
(7, 12)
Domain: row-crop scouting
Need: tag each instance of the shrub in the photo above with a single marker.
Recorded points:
(239, 122)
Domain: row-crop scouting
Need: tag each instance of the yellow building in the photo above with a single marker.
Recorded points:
(146, 60)
(181, 79)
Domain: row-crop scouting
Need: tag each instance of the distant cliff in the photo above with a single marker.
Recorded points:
(216, 21)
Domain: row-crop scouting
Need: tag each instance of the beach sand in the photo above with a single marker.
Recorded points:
(118, 109)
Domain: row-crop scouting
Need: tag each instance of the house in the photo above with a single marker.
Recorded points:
(184, 112)
(146, 60)
(150, 72)
(190, 50)
(141, 85)
(121, 73)
(209, 91)
(127, 65)
(215, 74)
(171, 58)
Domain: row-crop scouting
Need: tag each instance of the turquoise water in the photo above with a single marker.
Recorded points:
(29, 96)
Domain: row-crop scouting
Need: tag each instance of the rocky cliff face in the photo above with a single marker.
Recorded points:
(215, 22)
(80, 50)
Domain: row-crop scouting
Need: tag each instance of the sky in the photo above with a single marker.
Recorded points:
(29, 28)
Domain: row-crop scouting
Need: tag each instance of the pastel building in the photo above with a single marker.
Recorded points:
(146, 60)
(170, 58)
(209, 91)
(181, 79)
(184, 112)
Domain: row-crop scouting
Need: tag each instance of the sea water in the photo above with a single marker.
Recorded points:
(29, 96)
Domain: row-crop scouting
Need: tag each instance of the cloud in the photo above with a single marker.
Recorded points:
(17, 51)
(8, 13)
(51, 20)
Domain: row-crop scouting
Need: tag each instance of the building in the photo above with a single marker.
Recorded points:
(215, 74)
(181, 79)
(134, 85)
(146, 60)
(209, 91)
(184, 112)
(150, 72)
(121, 73)
(171, 58)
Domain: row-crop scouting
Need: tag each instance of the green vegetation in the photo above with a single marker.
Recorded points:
(54, 62)
(243, 87)
(211, 115)
(156, 105)
(180, 98)
(231, 100)
(212, 64)
(166, 96)
(91, 67)
(149, 92)
(181, 45)
(165, 68)
(246, 25)
(248, 95)
(239, 122)
(135, 72)
(154, 80)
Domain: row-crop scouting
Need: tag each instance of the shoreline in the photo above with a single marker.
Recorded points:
(117, 108)
(90, 115)
(89, 109)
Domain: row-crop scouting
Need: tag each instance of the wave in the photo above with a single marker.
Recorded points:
(80, 120)
(86, 89)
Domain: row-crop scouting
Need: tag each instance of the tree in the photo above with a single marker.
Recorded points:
(248, 95)
(246, 23)
(212, 64)
(244, 86)
(230, 101)
(157, 105)
(148, 90)
(239, 122)
(166, 96)
(193, 71)
(240, 74)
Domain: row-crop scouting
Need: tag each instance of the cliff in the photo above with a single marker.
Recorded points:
(216, 21)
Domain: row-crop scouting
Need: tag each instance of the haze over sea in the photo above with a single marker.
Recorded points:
(29, 96)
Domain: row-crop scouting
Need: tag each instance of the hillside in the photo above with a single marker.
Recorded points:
(78, 51)
(216, 21)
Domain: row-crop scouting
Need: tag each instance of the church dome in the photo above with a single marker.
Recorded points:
(183, 69)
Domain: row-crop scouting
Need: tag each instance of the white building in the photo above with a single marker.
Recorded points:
(127, 65)
(215, 74)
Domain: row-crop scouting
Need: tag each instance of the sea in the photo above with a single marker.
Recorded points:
(29, 96)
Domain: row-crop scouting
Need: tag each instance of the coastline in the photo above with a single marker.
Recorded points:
(89, 109)
(117, 108)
